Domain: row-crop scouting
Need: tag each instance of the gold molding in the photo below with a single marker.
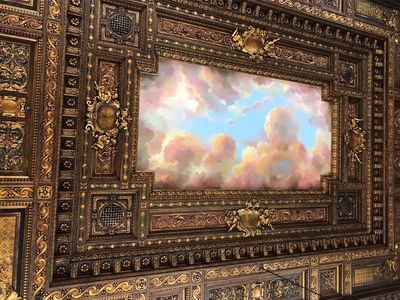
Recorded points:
(42, 231)
(49, 107)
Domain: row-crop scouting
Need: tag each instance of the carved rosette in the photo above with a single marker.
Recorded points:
(105, 117)
(355, 140)
(255, 42)
(251, 220)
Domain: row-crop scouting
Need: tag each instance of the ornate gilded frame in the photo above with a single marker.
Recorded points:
(335, 47)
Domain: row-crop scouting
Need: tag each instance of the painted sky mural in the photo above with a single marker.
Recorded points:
(205, 127)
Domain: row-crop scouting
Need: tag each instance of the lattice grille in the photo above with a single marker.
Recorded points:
(112, 215)
(121, 25)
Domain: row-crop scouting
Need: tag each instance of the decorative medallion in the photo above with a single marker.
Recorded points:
(255, 42)
(355, 139)
(105, 118)
(251, 220)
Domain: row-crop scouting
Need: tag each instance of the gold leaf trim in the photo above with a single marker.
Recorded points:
(170, 280)
(232, 272)
(50, 100)
(92, 291)
(42, 227)
(16, 192)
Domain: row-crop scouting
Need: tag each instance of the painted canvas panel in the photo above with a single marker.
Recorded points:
(204, 127)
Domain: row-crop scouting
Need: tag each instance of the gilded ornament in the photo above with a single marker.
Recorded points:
(251, 220)
(255, 42)
(14, 66)
(91, 291)
(50, 88)
(141, 284)
(12, 106)
(257, 291)
(391, 268)
(11, 146)
(170, 280)
(42, 230)
(16, 192)
(283, 288)
(105, 118)
(232, 272)
(45, 192)
(7, 292)
(229, 293)
(392, 19)
(355, 139)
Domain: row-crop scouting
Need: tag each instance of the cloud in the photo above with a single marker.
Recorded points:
(278, 159)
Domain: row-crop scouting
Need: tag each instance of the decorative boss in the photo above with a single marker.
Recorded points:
(255, 42)
(105, 118)
(355, 139)
(251, 220)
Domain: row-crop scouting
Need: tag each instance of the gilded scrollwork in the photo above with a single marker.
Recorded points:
(11, 146)
(251, 220)
(232, 272)
(49, 108)
(40, 261)
(355, 139)
(8, 192)
(170, 280)
(254, 42)
(105, 117)
(20, 21)
(91, 291)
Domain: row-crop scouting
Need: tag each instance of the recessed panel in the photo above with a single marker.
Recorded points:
(205, 127)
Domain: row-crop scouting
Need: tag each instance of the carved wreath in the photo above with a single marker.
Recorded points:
(255, 42)
(251, 220)
(355, 140)
(105, 118)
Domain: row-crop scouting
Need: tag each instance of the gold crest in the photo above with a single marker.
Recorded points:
(255, 42)
(251, 220)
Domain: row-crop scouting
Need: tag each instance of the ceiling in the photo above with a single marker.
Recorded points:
(395, 4)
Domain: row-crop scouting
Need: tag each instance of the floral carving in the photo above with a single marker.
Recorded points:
(11, 146)
(283, 288)
(14, 66)
(251, 220)
(355, 139)
(105, 118)
(255, 42)
(231, 293)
